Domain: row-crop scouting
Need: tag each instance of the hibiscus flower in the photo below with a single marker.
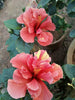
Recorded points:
(30, 73)
(37, 24)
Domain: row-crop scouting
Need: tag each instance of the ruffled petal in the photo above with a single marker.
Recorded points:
(20, 19)
(18, 78)
(42, 55)
(57, 72)
(46, 77)
(30, 62)
(48, 25)
(25, 73)
(45, 38)
(27, 16)
(19, 60)
(26, 36)
(16, 90)
(45, 93)
(33, 85)
(34, 88)
(39, 12)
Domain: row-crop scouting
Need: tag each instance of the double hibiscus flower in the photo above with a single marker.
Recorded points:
(30, 73)
(37, 24)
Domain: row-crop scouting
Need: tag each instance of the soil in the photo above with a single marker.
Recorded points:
(57, 35)
(12, 9)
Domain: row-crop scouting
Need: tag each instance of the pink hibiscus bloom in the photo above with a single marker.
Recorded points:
(37, 24)
(30, 74)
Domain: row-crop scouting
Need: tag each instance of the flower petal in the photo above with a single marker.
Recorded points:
(45, 93)
(29, 63)
(27, 16)
(33, 85)
(16, 90)
(46, 77)
(18, 78)
(19, 60)
(48, 25)
(34, 88)
(26, 36)
(57, 72)
(20, 19)
(45, 38)
(42, 55)
(25, 73)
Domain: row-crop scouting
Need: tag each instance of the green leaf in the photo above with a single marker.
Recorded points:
(69, 70)
(6, 96)
(52, 9)
(43, 3)
(28, 47)
(12, 24)
(21, 46)
(72, 14)
(72, 34)
(60, 23)
(6, 74)
(27, 97)
(71, 9)
(17, 32)
(11, 42)
(73, 81)
(69, 98)
(60, 4)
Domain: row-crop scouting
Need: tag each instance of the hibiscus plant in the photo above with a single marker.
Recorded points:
(34, 76)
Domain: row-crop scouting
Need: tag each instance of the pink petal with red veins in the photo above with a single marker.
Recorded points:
(34, 94)
(45, 93)
(48, 25)
(20, 19)
(57, 72)
(18, 78)
(25, 73)
(29, 63)
(16, 90)
(45, 38)
(34, 88)
(27, 16)
(26, 36)
(19, 60)
(46, 77)
(33, 85)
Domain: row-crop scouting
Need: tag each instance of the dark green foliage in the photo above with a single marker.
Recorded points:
(21, 46)
(69, 70)
(17, 45)
(6, 74)
(42, 3)
(52, 9)
(69, 98)
(11, 42)
(1, 4)
(23, 9)
(6, 96)
(71, 9)
(60, 4)
(12, 24)
(72, 34)
(27, 97)
(60, 23)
